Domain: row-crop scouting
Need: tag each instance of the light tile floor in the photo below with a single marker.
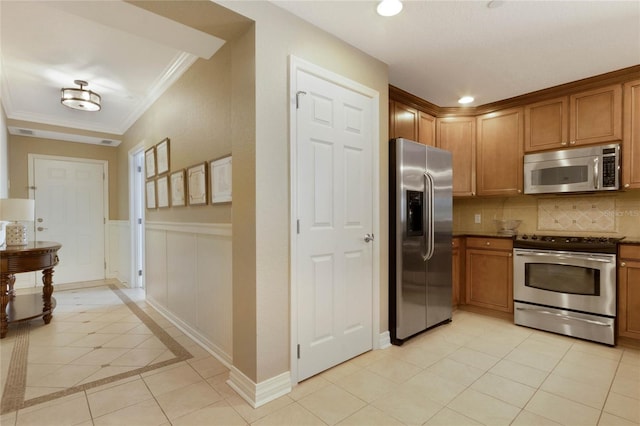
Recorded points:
(476, 370)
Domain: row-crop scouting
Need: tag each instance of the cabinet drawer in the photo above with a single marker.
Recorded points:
(490, 243)
(628, 251)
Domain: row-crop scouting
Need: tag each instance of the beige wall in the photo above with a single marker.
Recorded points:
(21, 146)
(195, 114)
(621, 209)
(279, 35)
(4, 155)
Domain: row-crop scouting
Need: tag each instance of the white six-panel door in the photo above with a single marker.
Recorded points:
(335, 211)
(69, 198)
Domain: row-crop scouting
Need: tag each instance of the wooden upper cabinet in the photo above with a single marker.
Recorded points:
(499, 153)
(546, 125)
(405, 121)
(631, 139)
(596, 115)
(426, 129)
(458, 135)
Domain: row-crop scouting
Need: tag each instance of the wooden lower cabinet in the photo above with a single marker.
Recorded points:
(629, 291)
(489, 273)
(455, 273)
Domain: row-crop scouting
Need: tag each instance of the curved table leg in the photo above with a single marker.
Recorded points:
(5, 279)
(47, 290)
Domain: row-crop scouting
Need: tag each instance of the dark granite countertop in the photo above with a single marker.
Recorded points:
(482, 235)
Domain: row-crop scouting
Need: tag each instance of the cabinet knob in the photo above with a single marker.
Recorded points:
(563, 143)
(626, 185)
(488, 243)
(572, 142)
(519, 191)
(623, 264)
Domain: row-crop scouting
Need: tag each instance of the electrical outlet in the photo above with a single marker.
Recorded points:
(478, 218)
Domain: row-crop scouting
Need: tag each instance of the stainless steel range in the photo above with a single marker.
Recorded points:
(566, 285)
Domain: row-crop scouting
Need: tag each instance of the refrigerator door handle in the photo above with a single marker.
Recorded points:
(429, 236)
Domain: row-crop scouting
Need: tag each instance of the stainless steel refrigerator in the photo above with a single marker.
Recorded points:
(420, 228)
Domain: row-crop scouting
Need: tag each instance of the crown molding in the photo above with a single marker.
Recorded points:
(614, 77)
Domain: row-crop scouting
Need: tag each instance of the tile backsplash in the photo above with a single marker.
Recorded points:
(576, 214)
(614, 214)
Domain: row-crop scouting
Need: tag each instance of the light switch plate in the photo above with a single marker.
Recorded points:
(478, 218)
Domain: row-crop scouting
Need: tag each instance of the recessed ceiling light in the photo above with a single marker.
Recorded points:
(465, 100)
(389, 7)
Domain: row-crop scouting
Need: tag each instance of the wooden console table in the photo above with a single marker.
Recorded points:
(16, 259)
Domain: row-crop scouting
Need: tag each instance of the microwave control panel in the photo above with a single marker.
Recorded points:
(609, 168)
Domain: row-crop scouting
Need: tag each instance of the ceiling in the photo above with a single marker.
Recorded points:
(48, 45)
(130, 52)
(442, 50)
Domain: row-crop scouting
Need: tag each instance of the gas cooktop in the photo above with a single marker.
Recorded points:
(558, 242)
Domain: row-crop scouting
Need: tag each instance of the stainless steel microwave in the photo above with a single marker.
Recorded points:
(593, 168)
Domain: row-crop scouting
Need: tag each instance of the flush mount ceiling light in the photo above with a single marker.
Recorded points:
(80, 99)
(389, 7)
(465, 100)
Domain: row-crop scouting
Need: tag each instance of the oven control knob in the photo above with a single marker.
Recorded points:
(525, 237)
(534, 237)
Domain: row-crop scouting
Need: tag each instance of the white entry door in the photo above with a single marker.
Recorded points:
(335, 213)
(70, 209)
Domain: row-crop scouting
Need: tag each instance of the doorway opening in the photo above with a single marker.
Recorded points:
(136, 215)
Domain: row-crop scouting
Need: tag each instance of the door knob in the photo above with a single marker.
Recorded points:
(40, 228)
(368, 238)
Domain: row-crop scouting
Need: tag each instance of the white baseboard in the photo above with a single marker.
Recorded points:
(258, 394)
(384, 340)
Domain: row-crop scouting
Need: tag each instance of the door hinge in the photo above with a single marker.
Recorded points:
(298, 351)
(139, 221)
(298, 93)
(298, 226)
(139, 169)
(139, 272)
(105, 265)
(104, 220)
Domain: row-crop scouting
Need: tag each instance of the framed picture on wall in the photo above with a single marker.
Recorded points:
(220, 175)
(151, 194)
(150, 162)
(162, 191)
(162, 157)
(197, 184)
(177, 186)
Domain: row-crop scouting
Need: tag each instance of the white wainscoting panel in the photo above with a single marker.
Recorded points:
(119, 250)
(188, 279)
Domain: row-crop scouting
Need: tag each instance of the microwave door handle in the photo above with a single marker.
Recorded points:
(596, 174)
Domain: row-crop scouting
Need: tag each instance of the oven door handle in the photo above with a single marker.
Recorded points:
(565, 317)
(562, 256)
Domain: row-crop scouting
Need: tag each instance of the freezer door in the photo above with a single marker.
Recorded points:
(438, 268)
(408, 284)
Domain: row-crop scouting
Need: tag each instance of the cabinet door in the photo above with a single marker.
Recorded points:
(499, 152)
(631, 141)
(489, 279)
(405, 121)
(426, 129)
(596, 116)
(458, 135)
(546, 125)
(629, 299)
